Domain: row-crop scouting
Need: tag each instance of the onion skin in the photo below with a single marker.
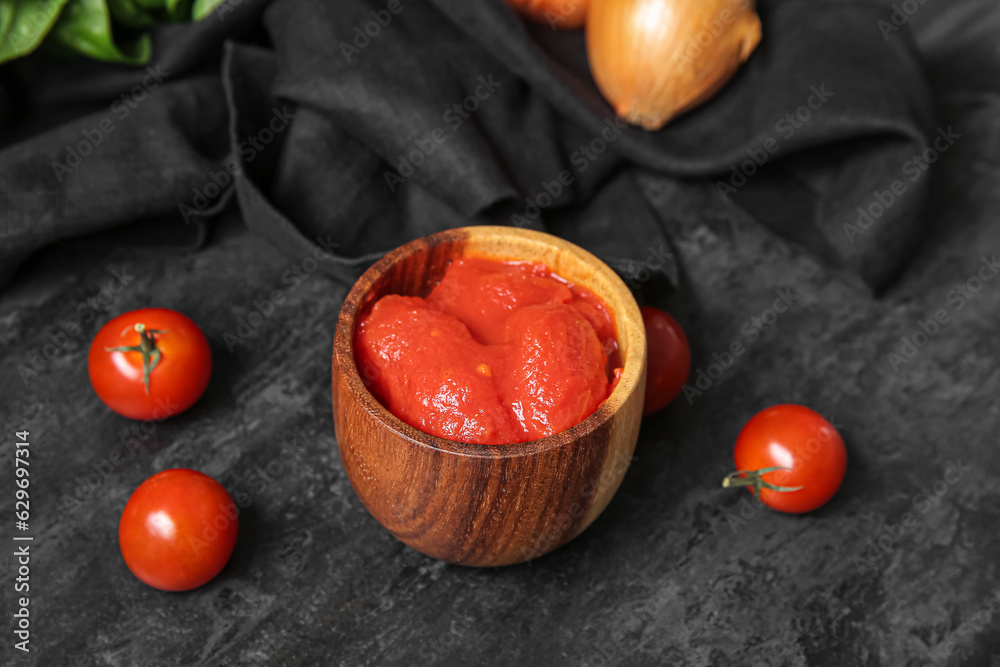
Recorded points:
(564, 14)
(655, 59)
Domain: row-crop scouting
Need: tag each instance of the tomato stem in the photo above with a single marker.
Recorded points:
(754, 478)
(147, 347)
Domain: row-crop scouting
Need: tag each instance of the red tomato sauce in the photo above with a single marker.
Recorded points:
(498, 352)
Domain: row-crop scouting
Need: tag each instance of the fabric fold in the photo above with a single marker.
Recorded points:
(364, 124)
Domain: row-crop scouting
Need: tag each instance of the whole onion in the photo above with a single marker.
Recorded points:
(656, 59)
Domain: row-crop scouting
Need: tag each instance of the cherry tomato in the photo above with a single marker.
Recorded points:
(791, 456)
(150, 363)
(178, 530)
(668, 359)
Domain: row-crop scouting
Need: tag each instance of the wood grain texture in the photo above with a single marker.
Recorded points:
(486, 505)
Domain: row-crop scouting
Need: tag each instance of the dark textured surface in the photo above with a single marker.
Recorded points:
(667, 575)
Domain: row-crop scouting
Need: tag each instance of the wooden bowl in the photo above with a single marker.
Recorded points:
(486, 505)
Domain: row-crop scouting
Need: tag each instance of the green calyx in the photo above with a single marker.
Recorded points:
(754, 479)
(147, 347)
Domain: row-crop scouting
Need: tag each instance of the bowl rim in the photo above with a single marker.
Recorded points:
(344, 347)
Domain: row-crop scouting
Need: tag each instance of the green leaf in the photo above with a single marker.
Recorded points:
(24, 24)
(203, 8)
(130, 14)
(6, 18)
(85, 28)
(179, 10)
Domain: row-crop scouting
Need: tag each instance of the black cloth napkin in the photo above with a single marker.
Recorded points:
(361, 124)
